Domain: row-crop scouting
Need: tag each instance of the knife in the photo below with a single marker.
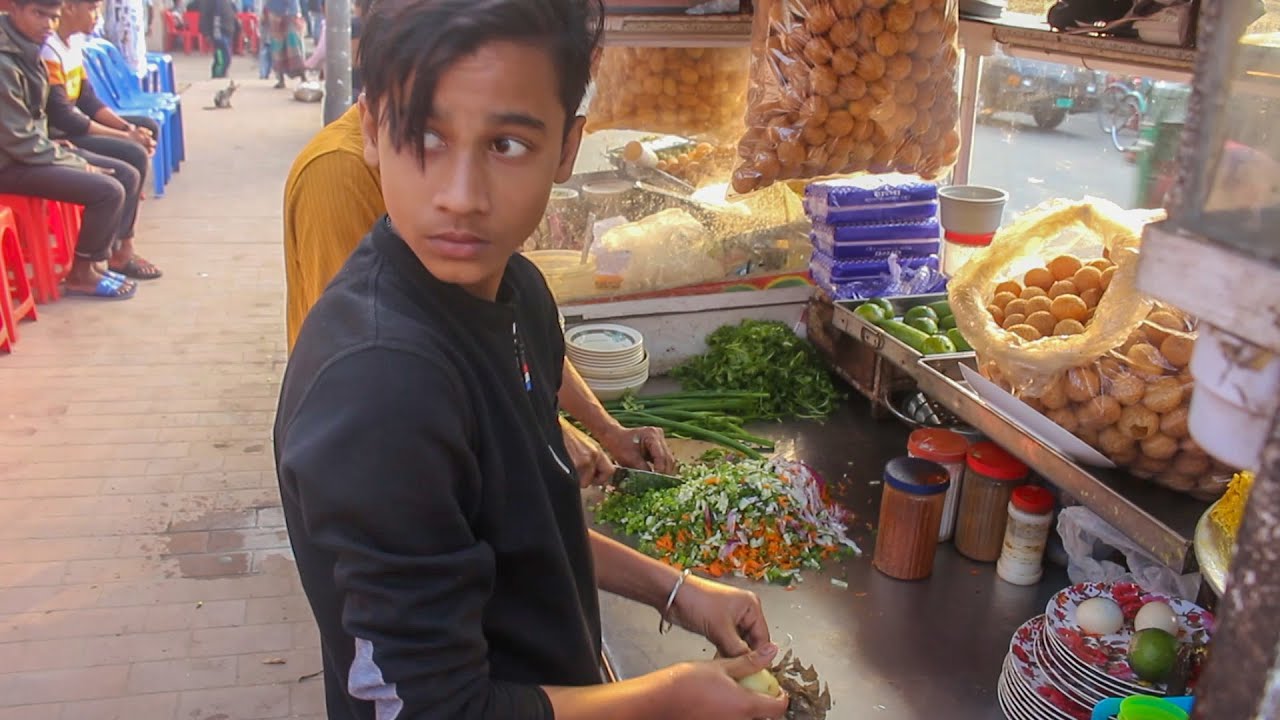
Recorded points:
(638, 482)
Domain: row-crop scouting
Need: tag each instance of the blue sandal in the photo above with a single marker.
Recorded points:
(108, 288)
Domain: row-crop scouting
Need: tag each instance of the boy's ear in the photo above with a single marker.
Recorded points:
(369, 128)
(569, 153)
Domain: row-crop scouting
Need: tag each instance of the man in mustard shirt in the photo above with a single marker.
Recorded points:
(331, 199)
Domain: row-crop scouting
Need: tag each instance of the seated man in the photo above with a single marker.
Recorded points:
(332, 198)
(33, 164)
(75, 111)
(438, 531)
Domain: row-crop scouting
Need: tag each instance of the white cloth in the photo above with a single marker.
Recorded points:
(124, 24)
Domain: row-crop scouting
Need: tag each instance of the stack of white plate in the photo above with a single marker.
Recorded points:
(610, 358)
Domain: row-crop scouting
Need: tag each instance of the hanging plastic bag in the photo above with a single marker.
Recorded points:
(844, 86)
(686, 91)
(1082, 533)
(1053, 310)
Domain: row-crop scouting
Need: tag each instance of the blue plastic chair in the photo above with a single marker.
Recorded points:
(130, 95)
(164, 61)
(161, 162)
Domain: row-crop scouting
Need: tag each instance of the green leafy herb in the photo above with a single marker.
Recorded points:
(764, 357)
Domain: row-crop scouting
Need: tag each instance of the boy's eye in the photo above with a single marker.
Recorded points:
(510, 147)
(431, 141)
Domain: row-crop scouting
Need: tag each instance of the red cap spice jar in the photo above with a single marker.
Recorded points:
(1030, 517)
(989, 482)
(910, 513)
(948, 449)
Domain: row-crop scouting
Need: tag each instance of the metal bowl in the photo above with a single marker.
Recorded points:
(918, 410)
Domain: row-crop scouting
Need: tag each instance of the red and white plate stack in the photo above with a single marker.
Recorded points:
(1055, 671)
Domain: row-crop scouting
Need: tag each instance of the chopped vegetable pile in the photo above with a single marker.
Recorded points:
(764, 520)
(764, 357)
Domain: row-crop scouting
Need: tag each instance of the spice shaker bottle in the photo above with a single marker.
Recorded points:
(1025, 535)
(989, 480)
(948, 449)
(910, 514)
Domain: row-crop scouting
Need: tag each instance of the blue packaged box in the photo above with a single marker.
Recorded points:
(912, 247)
(871, 199)
(845, 233)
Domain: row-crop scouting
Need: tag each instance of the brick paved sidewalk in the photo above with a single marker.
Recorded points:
(144, 568)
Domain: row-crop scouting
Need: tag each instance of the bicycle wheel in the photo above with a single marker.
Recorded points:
(1111, 110)
(1127, 133)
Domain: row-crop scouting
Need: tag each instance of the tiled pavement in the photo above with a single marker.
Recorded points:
(144, 567)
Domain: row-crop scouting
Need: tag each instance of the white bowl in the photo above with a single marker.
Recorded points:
(605, 394)
(1226, 430)
(1236, 371)
(629, 360)
(606, 375)
(602, 340)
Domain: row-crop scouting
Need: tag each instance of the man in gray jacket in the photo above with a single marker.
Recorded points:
(33, 164)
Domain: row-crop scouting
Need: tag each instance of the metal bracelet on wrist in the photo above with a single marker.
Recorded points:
(664, 622)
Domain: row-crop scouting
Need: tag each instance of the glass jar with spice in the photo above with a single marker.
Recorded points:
(1025, 535)
(989, 481)
(948, 449)
(910, 514)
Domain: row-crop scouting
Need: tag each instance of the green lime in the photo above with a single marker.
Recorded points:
(937, 345)
(947, 322)
(921, 311)
(958, 340)
(871, 312)
(923, 324)
(884, 305)
(1152, 654)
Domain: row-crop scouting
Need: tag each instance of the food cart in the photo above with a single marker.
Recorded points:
(884, 647)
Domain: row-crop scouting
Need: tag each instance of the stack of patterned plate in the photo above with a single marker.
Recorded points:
(610, 358)
(1054, 671)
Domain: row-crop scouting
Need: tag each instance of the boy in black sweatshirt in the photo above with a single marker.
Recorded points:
(435, 519)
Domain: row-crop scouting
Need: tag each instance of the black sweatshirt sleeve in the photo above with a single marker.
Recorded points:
(385, 479)
(64, 116)
(89, 103)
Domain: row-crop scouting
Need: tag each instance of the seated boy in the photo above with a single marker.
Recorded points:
(438, 530)
(75, 111)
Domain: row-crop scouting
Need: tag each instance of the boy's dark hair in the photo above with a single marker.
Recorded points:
(41, 3)
(406, 45)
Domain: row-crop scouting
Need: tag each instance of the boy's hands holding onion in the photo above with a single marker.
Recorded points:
(710, 690)
(731, 618)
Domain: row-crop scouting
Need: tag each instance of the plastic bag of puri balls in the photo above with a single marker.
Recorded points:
(692, 92)
(845, 86)
(1053, 310)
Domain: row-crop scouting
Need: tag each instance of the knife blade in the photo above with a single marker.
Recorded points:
(637, 482)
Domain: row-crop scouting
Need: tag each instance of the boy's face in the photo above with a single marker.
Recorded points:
(79, 17)
(35, 22)
(493, 149)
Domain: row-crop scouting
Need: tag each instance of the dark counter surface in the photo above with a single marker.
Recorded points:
(888, 649)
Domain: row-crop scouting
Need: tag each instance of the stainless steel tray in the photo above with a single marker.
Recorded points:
(1162, 522)
(896, 351)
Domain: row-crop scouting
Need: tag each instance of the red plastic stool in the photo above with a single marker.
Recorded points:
(16, 300)
(64, 225)
(31, 216)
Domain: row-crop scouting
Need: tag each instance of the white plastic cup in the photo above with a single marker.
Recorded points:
(971, 209)
(970, 217)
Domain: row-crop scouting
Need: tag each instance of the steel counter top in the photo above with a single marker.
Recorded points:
(888, 649)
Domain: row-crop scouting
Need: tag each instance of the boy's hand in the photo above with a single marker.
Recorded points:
(593, 466)
(640, 448)
(710, 690)
(731, 618)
